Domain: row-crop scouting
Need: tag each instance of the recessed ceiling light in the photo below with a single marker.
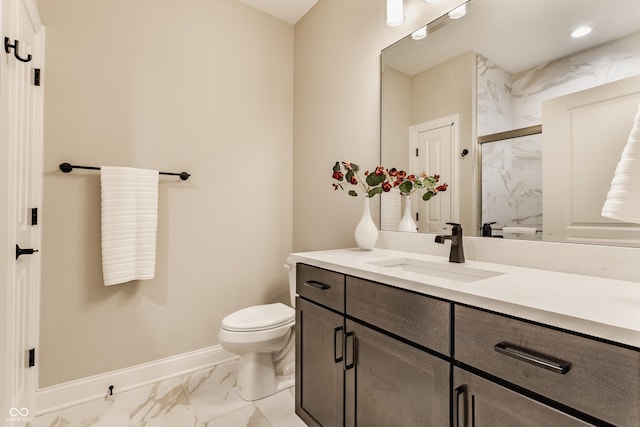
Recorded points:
(581, 31)
(458, 12)
(420, 33)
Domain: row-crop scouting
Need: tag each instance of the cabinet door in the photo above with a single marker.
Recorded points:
(480, 403)
(390, 383)
(319, 371)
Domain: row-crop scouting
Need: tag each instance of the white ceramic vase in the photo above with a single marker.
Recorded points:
(366, 231)
(407, 223)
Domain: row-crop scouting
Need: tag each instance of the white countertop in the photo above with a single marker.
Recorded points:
(599, 307)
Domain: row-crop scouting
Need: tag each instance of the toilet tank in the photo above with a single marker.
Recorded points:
(291, 267)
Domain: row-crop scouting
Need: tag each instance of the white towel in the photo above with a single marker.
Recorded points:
(519, 230)
(129, 223)
(623, 199)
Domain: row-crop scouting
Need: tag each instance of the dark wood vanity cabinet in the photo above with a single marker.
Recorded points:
(594, 380)
(369, 354)
(319, 346)
(478, 402)
(360, 365)
(396, 347)
(319, 368)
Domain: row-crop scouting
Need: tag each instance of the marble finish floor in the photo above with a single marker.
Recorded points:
(206, 398)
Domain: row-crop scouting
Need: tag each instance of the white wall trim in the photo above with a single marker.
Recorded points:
(95, 387)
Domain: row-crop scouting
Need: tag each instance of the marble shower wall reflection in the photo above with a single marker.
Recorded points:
(512, 169)
(512, 182)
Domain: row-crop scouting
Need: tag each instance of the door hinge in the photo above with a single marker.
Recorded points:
(32, 357)
(34, 216)
(36, 76)
(417, 215)
(417, 155)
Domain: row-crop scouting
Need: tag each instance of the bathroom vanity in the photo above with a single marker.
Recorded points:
(387, 337)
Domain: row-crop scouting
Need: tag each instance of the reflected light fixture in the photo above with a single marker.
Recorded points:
(623, 199)
(458, 12)
(580, 32)
(420, 33)
(395, 12)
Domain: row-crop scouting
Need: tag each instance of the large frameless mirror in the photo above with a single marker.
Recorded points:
(523, 121)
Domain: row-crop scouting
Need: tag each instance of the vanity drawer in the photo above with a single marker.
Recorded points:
(417, 318)
(596, 378)
(321, 286)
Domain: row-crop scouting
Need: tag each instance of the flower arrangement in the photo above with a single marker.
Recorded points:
(383, 180)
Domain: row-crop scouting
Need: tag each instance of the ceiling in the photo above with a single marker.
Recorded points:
(286, 10)
(540, 29)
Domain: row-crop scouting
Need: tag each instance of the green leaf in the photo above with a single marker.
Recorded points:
(374, 180)
(426, 196)
(352, 193)
(429, 181)
(374, 191)
(349, 175)
(336, 167)
(406, 187)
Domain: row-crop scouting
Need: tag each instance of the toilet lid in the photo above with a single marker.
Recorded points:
(259, 318)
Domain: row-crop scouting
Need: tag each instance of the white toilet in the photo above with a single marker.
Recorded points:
(263, 336)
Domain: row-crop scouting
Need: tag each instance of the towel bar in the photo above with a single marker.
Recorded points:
(66, 168)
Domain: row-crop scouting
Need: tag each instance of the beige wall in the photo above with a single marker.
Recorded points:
(337, 108)
(442, 91)
(203, 86)
(396, 109)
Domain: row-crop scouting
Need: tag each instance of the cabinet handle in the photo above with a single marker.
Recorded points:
(459, 392)
(316, 285)
(348, 335)
(335, 338)
(547, 362)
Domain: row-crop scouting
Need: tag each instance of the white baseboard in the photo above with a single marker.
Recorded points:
(83, 390)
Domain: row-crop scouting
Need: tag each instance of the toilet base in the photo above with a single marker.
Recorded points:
(257, 377)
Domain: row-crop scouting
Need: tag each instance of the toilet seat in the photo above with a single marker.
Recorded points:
(259, 318)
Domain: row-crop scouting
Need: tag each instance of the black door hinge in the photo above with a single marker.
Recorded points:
(36, 76)
(417, 155)
(417, 216)
(32, 357)
(34, 216)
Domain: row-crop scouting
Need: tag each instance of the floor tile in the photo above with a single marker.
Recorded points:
(205, 398)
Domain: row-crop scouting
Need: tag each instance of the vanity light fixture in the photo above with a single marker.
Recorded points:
(581, 31)
(623, 199)
(395, 12)
(419, 34)
(458, 12)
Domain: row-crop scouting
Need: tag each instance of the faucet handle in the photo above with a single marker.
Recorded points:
(455, 228)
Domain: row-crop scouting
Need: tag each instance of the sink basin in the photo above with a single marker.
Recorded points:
(450, 271)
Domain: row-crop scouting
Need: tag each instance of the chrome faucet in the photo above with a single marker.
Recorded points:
(457, 251)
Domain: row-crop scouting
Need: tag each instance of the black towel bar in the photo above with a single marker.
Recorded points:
(66, 168)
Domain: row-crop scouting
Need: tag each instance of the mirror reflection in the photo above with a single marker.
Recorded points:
(475, 84)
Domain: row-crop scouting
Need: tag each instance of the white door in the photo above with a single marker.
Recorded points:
(433, 148)
(584, 134)
(21, 108)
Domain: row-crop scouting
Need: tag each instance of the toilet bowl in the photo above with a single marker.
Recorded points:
(263, 336)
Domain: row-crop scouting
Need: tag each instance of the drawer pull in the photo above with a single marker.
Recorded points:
(348, 335)
(459, 391)
(534, 358)
(316, 285)
(335, 346)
